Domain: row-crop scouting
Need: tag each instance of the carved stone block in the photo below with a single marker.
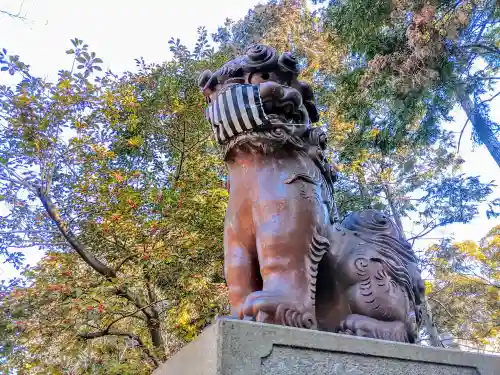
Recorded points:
(245, 348)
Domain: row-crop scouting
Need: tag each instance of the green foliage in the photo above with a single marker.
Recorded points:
(117, 180)
(414, 61)
(465, 288)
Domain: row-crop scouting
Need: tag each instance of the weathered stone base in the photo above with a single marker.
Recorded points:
(244, 348)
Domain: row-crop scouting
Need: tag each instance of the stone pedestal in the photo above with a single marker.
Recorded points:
(244, 348)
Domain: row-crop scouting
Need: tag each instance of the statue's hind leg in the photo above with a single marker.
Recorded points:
(380, 305)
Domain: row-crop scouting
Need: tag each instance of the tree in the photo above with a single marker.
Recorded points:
(414, 57)
(116, 179)
(423, 184)
(464, 290)
(287, 25)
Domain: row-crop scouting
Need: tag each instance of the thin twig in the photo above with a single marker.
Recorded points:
(117, 268)
(443, 306)
(34, 244)
(424, 232)
(491, 49)
(18, 15)
(30, 232)
(490, 99)
(133, 313)
(15, 178)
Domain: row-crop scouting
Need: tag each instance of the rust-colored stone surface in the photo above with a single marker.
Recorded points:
(288, 260)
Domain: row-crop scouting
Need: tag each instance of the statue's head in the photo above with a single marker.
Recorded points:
(256, 92)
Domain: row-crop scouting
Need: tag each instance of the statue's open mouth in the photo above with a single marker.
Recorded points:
(240, 109)
(236, 110)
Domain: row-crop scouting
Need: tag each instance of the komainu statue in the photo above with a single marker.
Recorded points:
(288, 260)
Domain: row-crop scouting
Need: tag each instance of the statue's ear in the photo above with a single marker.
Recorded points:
(204, 78)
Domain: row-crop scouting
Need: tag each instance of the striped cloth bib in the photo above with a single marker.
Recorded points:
(236, 110)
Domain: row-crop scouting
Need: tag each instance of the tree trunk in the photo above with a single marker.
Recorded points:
(363, 191)
(153, 320)
(480, 124)
(155, 333)
(429, 325)
(394, 210)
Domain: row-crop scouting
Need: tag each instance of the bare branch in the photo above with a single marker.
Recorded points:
(33, 244)
(15, 178)
(488, 78)
(29, 232)
(425, 231)
(491, 49)
(490, 99)
(66, 232)
(479, 280)
(132, 313)
(13, 15)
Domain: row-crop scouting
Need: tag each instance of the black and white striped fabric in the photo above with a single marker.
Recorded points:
(236, 110)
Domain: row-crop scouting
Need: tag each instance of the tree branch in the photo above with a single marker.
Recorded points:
(477, 39)
(119, 265)
(479, 280)
(95, 335)
(441, 304)
(423, 232)
(29, 232)
(66, 232)
(18, 15)
(491, 49)
(132, 313)
(135, 300)
(490, 99)
(182, 156)
(17, 179)
(33, 244)
(488, 78)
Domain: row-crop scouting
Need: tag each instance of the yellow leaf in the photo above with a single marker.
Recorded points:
(428, 287)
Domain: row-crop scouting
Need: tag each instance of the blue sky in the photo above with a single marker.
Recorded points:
(120, 31)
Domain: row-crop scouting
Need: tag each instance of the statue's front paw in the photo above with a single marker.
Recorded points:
(269, 307)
